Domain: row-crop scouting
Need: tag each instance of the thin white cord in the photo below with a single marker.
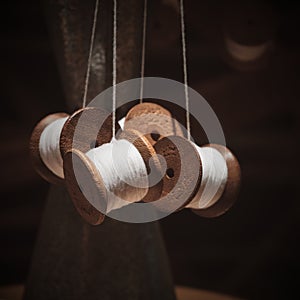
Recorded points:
(87, 77)
(143, 50)
(185, 77)
(49, 147)
(114, 96)
(123, 171)
(214, 178)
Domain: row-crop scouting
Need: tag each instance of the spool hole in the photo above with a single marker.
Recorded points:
(170, 173)
(155, 135)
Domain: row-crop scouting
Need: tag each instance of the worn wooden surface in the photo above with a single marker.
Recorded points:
(83, 179)
(180, 180)
(148, 154)
(93, 127)
(152, 120)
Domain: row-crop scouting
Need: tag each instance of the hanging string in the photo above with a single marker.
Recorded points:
(143, 50)
(185, 79)
(87, 76)
(114, 75)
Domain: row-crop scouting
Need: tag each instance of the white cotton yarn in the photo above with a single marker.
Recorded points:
(122, 123)
(49, 146)
(123, 171)
(214, 178)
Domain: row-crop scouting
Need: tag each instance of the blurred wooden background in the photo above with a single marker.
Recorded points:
(252, 251)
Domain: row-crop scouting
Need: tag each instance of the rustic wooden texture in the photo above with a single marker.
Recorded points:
(37, 161)
(184, 172)
(232, 186)
(148, 153)
(153, 120)
(93, 128)
(83, 179)
(182, 159)
(73, 260)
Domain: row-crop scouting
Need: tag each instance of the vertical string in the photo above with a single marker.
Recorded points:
(143, 51)
(114, 75)
(87, 76)
(183, 40)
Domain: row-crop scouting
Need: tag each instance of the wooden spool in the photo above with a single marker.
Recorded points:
(153, 121)
(86, 131)
(79, 168)
(37, 161)
(184, 174)
(232, 187)
(148, 153)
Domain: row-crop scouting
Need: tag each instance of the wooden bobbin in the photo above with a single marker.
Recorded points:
(232, 186)
(183, 172)
(175, 189)
(148, 153)
(152, 120)
(80, 169)
(86, 131)
(37, 161)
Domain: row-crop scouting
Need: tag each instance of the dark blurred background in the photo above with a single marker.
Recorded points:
(253, 250)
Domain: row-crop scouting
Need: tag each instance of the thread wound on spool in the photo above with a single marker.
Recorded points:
(123, 171)
(49, 146)
(214, 178)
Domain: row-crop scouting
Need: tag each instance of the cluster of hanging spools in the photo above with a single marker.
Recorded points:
(107, 173)
(106, 168)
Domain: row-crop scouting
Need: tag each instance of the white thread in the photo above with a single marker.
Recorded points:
(214, 178)
(123, 171)
(114, 75)
(122, 123)
(87, 76)
(143, 51)
(185, 76)
(49, 147)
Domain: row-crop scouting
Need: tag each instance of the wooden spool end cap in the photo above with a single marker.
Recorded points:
(232, 187)
(183, 171)
(86, 128)
(93, 128)
(37, 161)
(153, 121)
(84, 181)
(151, 160)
